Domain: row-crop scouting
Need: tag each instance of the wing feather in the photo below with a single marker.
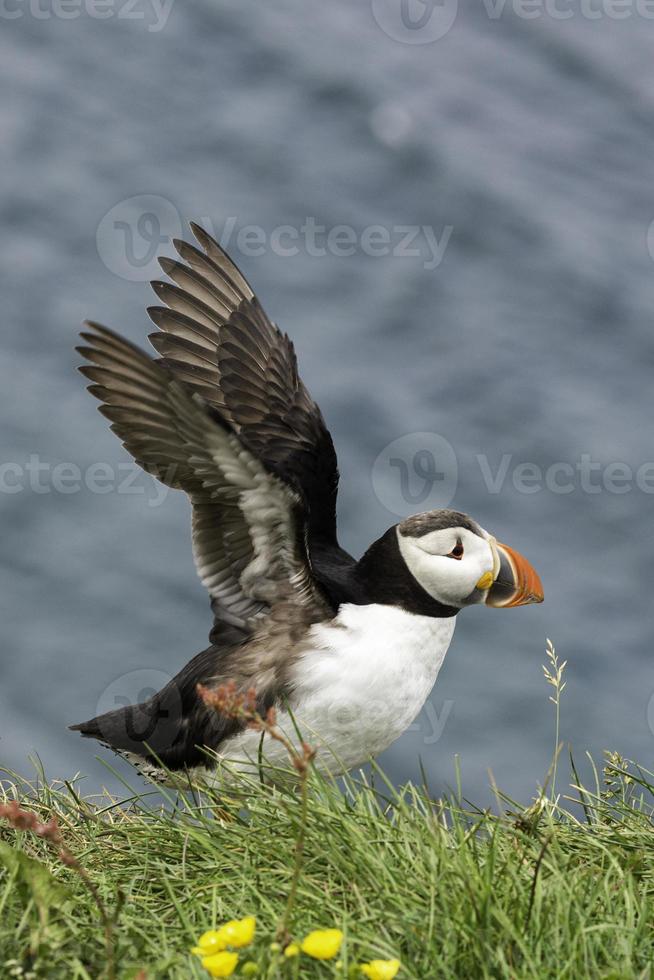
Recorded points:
(216, 338)
(248, 525)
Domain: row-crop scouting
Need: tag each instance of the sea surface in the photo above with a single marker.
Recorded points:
(478, 334)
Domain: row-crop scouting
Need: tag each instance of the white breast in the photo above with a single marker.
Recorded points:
(361, 681)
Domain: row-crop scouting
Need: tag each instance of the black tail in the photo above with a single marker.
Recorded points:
(172, 727)
(154, 730)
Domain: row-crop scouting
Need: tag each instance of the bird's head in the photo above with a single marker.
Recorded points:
(459, 564)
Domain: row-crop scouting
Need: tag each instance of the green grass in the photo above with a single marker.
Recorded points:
(563, 888)
(542, 892)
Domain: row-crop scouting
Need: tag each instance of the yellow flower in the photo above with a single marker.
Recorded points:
(322, 944)
(238, 932)
(292, 950)
(380, 969)
(220, 964)
(208, 943)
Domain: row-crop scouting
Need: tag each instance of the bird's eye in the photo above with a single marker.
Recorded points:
(457, 551)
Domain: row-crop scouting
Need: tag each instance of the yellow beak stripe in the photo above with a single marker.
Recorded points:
(485, 581)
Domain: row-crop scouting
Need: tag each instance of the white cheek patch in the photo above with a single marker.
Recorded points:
(447, 580)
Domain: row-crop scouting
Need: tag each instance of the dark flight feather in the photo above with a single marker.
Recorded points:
(217, 339)
(250, 530)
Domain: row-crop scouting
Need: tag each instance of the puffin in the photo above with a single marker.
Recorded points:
(345, 651)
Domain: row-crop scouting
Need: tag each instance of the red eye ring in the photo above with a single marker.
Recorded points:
(457, 551)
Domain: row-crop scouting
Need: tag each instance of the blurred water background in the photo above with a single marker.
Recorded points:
(527, 340)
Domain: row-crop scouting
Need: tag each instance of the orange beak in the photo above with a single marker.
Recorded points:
(517, 583)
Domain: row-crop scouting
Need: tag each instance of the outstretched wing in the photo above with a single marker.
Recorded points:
(215, 337)
(249, 524)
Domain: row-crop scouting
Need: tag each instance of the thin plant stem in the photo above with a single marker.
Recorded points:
(50, 832)
(242, 706)
(554, 676)
(283, 927)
